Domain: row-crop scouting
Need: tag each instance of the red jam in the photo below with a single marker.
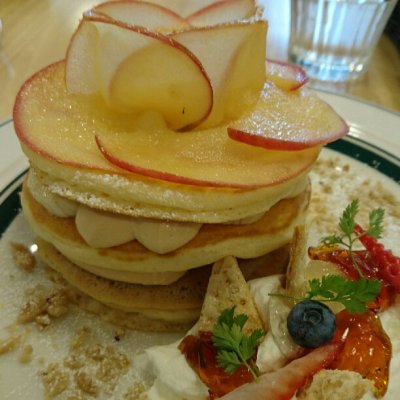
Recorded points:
(201, 355)
(368, 267)
(388, 264)
(367, 348)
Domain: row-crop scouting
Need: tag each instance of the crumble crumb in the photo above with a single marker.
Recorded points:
(74, 361)
(135, 392)
(85, 382)
(55, 379)
(77, 396)
(97, 368)
(26, 354)
(80, 339)
(22, 257)
(43, 304)
(9, 344)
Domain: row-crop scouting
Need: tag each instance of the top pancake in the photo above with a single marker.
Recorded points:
(63, 148)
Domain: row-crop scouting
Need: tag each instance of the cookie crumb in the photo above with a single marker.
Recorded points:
(9, 344)
(135, 392)
(26, 354)
(85, 382)
(22, 257)
(55, 380)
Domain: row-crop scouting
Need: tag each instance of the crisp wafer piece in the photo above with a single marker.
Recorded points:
(226, 288)
(295, 282)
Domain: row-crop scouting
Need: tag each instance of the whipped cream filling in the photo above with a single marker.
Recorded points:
(103, 229)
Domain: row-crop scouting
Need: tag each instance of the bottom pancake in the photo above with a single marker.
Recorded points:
(159, 308)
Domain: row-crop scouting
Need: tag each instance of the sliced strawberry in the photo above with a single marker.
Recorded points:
(283, 383)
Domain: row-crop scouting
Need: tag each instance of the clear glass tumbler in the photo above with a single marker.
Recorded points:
(334, 39)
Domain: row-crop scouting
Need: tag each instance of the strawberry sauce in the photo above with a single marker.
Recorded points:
(201, 355)
(368, 267)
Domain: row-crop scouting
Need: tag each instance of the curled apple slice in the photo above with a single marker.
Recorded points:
(286, 76)
(151, 16)
(184, 7)
(201, 158)
(288, 121)
(138, 70)
(234, 57)
(223, 11)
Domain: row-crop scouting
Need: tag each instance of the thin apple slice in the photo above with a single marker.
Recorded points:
(288, 121)
(202, 158)
(148, 15)
(223, 11)
(219, 49)
(208, 158)
(184, 7)
(127, 68)
(58, 136)
(80, 75)
(286, 76)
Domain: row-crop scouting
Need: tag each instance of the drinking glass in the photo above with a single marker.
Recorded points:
(333, 40)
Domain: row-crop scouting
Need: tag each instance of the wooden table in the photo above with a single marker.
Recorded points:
(37, 32)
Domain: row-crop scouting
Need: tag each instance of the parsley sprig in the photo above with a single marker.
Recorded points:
(347, 225)
(352, 294)
(235, 348)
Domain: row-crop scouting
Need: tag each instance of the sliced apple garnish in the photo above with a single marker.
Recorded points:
(148, 15)
(223, 11)
(288, 121)
(246, 78)
(202, 158)
(234, 57)
(286, 76)
(43, 123)
(184, 7)
(138, 70)
(81, 74)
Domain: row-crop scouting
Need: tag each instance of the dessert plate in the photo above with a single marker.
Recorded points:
(372, 150)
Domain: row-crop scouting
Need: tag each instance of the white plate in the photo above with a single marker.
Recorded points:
(374, 140)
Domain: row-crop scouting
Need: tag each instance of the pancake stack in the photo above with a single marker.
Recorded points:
(132, 209)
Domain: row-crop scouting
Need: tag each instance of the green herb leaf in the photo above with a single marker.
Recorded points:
(375, 227)
(331, 240)
(347, 220)
(352, 294)
(235, 348)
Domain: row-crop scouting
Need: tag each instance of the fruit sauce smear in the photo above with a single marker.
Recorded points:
(367, 347)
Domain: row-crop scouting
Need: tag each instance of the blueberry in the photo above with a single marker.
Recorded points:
(311, 323)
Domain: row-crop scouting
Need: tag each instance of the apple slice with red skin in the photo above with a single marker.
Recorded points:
(283, 383)
(288, 121)
(220, 49)
(222, 12)
(148, 15)
(202, 158)
(61, 127)
(125, 61)
(286, 76)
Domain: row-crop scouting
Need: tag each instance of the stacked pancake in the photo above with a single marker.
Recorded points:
(132, 205)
